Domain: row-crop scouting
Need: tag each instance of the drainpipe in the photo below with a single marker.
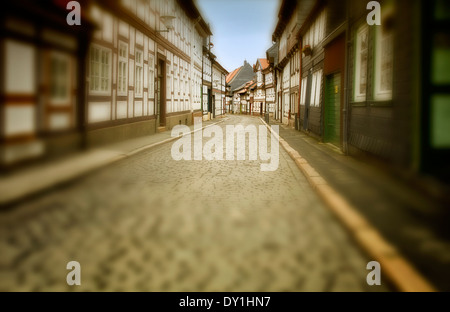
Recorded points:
(346, 83)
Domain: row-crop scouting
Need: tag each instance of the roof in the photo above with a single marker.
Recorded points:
(272, 54)
(245, 86)
(264, 63)
(231, 75)
(243, 75)
(193, 13)
(220, 67)
(286, 10)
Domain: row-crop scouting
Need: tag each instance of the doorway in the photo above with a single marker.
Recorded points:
(332, 116)
(307, 102)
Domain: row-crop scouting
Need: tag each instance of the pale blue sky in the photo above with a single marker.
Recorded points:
(242, 29)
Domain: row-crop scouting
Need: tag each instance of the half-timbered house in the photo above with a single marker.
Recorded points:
(41, 80)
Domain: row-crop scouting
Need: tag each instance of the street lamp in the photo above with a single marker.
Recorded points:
(167, 20)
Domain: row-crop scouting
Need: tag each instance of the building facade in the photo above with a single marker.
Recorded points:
(260, 93)
(134, 67)
(372, 90)
(218, 87)
(270, 81)
(41, 81)
(236, 80)
(142, 76)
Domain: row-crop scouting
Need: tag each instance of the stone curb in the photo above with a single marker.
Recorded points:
(399, 271)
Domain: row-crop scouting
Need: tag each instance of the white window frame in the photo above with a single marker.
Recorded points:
(151, 77)
(382, 95)
(139, 73)
(122, 71)
(316, 88)
(303, 94)
(357, 95)
(104, 73)
(60, 79)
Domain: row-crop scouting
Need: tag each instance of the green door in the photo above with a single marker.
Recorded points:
(332, 113)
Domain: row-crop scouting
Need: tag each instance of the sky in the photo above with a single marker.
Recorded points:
(242, 29)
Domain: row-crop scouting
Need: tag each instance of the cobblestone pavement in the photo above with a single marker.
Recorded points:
(150, 223)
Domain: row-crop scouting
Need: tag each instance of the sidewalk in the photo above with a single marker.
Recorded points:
(30, 181)
(410, 224)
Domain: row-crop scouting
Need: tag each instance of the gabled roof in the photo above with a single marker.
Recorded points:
(231, 75)
(193, 13)
(245, 86)
(220, 67)
(250, 85)
(263, 63)
(243, 75)
(272, 54)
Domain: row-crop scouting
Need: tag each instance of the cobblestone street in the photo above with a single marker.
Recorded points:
(150, 223)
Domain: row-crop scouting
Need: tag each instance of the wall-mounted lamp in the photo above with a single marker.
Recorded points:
(167, 20)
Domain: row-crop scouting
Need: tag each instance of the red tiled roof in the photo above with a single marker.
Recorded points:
(231, 75)
(264, 63)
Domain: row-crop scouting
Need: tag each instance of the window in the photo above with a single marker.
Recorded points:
(168, 83)
(100, 70)
(362, 45)
(59, 79)
(303, 94)
(122, 81)
(384, 64)
(151, 78)
(316, 31)
(316, 88)
(181, 87)
(139, 73)
(175, 86)
(293, 103)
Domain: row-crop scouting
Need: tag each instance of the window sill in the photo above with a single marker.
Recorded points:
(380, 103)
(358, 104)
(372, 104)
(100, 93)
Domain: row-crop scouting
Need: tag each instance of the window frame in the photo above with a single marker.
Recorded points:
(151, 77)
(316, 88)
(359, 97)
(122, 60)
(66, 100)
(378, 94)
(138, 72)
(99, 91)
